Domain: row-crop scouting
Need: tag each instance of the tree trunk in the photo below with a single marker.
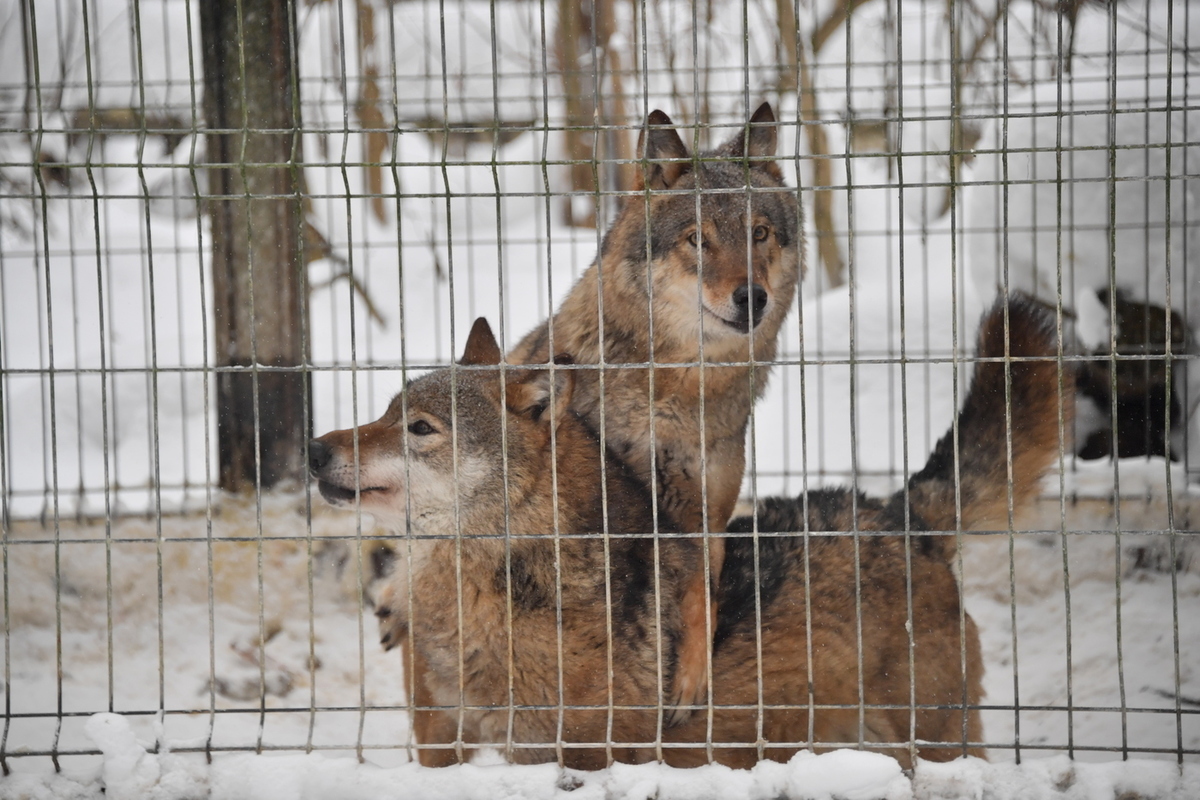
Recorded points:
(257, 269)
(573, 41)
(618, 152)
(822, 177)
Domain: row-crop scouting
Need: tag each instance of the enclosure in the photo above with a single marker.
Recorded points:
(226, 227)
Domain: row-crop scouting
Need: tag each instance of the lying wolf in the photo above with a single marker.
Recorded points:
(563, 647)
(1010, 431)
(699, 267)
(554, 595)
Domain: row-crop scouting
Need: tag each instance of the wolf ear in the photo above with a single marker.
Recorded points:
(528, 393)
(481, 348)
(760, 143)
(656, 143)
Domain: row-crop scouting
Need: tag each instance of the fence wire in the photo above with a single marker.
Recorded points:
(435, 162)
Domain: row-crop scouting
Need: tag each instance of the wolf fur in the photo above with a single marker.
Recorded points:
(1011, 415)
(700, 266)
(479, 612)
(454, 599)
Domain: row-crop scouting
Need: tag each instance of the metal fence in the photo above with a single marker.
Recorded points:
(449, 160)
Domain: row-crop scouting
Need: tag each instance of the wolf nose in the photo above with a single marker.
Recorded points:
(319, 454)
(750, 300)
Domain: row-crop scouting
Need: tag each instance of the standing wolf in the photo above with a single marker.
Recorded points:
(681, 310)
(563, 646)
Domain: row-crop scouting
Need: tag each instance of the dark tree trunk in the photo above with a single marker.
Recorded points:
(257, 269)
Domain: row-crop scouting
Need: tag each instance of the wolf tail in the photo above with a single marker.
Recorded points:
(1008, 428)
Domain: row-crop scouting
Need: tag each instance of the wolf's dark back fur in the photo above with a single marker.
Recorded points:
(828, 510)
(788, 635)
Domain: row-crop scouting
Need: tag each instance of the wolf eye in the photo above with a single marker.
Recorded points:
(421, 428)
(693, 238)
(760, 233)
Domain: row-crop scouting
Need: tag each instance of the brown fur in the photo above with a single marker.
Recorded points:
(945, 651)
(481, 562)
(842, 716)
(770, 587)
(986, 429)
(751, 241)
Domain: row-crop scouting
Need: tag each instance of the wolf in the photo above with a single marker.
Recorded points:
(681, 310)
(533, 581)
(810, 590)
(563, 648)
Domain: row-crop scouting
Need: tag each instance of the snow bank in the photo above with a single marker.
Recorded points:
(1056, 779)
(130, 772)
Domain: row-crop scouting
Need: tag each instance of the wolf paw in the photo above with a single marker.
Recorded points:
(392, 613)
(691, 681)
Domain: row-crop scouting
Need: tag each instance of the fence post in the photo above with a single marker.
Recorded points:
(257, 270)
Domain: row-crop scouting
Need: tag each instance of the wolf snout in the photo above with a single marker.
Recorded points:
(749, 300)
(319, 456)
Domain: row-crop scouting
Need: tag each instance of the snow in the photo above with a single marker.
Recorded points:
(133, 586)
(1058, 778)
(211, 657)
(1102, 652)
(129, 772)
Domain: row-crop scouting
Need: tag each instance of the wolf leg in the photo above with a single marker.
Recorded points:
(726, 460)
(698, 612)
(432, 726)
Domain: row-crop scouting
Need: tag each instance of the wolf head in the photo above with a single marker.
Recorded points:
(715, 237)
(442, 445)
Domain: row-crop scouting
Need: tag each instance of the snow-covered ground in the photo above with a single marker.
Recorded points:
(200, 659)
(129, 771)
(142, 613)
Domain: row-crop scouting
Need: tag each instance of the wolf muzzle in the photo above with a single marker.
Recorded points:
(749, 301)
(320, 457)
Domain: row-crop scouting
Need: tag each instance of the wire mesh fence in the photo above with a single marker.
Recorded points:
(227, 227)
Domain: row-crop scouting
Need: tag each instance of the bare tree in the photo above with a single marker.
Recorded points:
(574, 39)
(253, 118)
(800, 77)
(600, 159)
(972, 31)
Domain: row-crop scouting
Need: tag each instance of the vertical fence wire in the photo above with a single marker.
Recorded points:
(1112, 267)
(852, 346)
(1064, 539)
(895, 16)
(4, 545)
(1167, 338)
